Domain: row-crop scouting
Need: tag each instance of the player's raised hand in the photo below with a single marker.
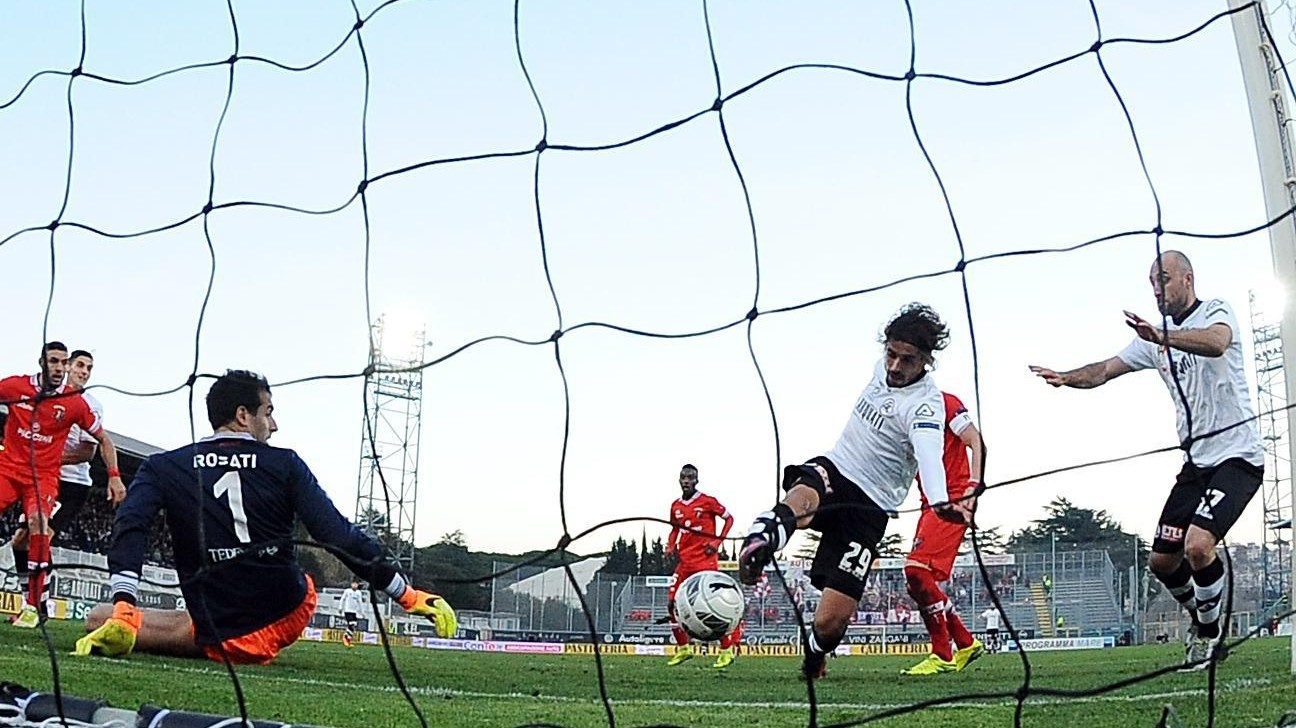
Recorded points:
(116, 636)
(433, 607)
(1143, 329)
(1048, 375)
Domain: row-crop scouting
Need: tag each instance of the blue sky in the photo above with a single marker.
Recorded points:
(653, 236)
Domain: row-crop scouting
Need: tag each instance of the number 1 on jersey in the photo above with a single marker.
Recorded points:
(232, 484)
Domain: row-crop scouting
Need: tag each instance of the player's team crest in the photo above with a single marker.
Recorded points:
(888, 406)
(59, 412)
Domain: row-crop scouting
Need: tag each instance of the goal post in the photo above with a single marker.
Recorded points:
(1267, 99)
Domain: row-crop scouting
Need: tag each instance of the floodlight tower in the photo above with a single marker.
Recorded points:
(1271, 405)
(389, 441)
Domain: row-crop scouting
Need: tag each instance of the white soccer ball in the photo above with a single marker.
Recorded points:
(709, 605)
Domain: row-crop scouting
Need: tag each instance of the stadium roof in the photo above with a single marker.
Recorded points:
(131, 446)
(125, 444)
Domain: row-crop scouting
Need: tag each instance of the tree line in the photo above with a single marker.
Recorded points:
(455, 571)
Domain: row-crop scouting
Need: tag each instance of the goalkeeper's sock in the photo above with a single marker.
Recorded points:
(957, 630)
(38, 549)
(1208, 585)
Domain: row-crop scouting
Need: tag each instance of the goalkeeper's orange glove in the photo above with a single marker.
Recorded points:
(116, 636)
(433, 607)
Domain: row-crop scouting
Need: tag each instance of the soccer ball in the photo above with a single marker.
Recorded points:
(709, 605)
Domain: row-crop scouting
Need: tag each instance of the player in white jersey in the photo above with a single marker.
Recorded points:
(895, 430)
(353, 601)
(1199, 356)
(991, 617)
(74, 476)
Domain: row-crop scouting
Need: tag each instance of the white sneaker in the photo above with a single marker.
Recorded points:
(1199, 654)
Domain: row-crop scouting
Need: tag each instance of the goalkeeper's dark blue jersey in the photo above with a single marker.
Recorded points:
(252, 495)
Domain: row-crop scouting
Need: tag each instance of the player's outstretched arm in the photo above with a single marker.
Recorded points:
(1086, 377)
(361, 553)
(928, 446)
(1211, 341)
(432, 606)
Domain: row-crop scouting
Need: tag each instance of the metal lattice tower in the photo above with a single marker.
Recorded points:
(389, 445)
(1271, 402)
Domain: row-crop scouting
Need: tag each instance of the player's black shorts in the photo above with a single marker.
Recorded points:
(850, 522)
(1211, 498)
(71, 497)
(352, 619)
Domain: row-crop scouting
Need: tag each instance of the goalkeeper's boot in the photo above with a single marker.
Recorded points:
(814, 666)
(28, 618)
(724, 659)
(346, 640)
(682, 653)
(116, 636)
(967, 655)
(931, 666)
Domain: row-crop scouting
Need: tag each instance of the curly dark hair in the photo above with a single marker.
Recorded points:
(919, 325)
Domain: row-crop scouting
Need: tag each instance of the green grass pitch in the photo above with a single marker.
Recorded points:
(328, 685)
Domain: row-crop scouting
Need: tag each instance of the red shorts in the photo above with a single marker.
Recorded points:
(13, 489)
(263, 645)
(936, 543)
(687, 569)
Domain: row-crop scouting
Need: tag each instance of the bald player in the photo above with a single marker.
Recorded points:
(1198, 352)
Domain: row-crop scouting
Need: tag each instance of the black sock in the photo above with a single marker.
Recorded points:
(1208, 585)
(20, 562)
(822, 645)
(786, 521)
(1180, 585)
(776, 525)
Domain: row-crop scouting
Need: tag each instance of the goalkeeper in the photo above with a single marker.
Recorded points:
(231, 502)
